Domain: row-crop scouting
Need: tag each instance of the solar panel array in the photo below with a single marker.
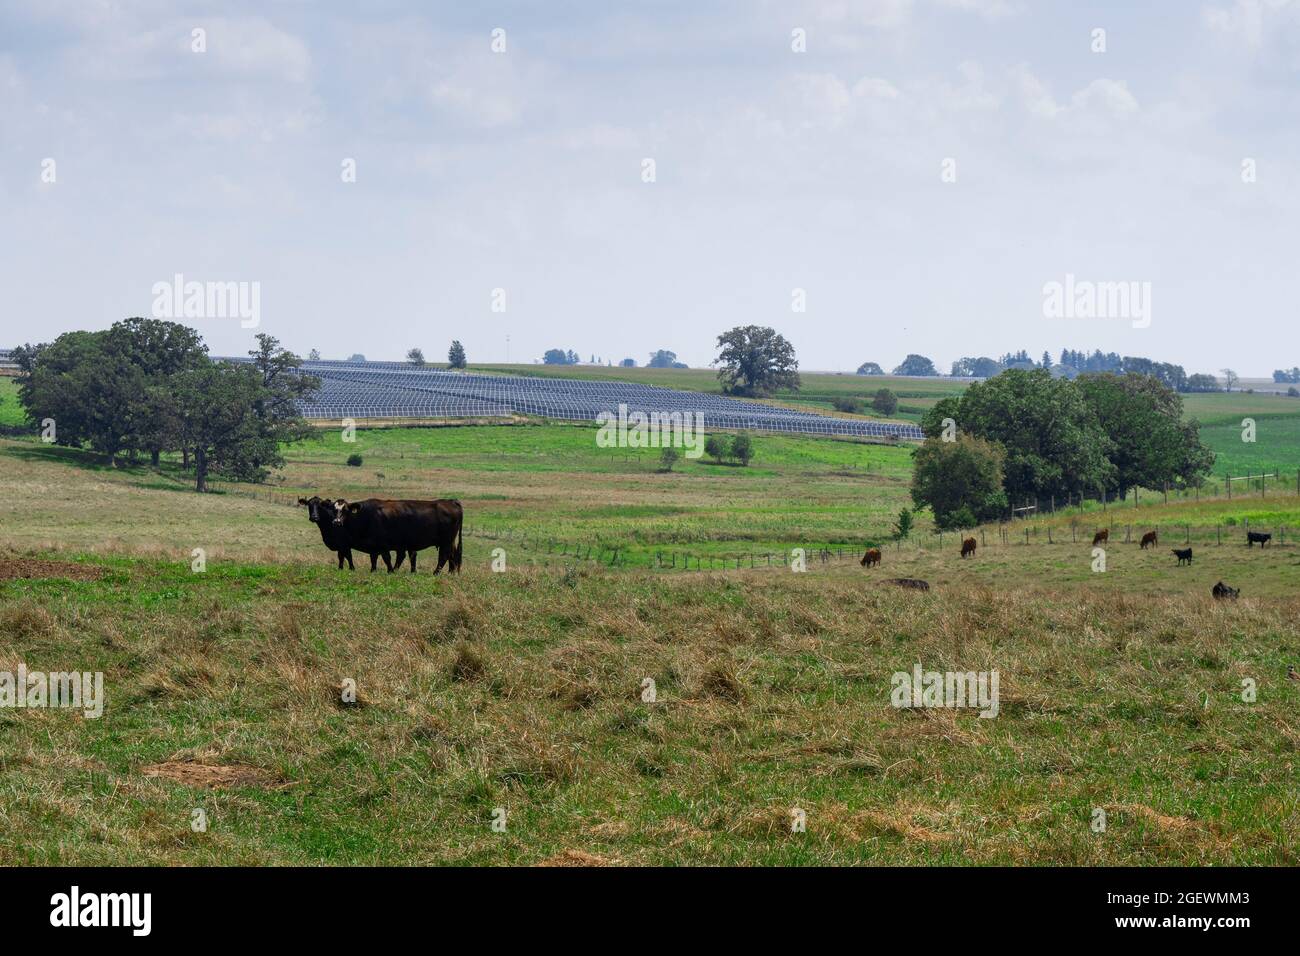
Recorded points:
(378, 390)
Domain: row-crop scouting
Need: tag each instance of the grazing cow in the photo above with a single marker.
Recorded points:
(407, 526)
(914, 583)
(1184, 555)
(1253, 536)
(1148, 538)
(871, 557)
(1222, 592)
(322, 513)
(968, 547)
(1100, 536)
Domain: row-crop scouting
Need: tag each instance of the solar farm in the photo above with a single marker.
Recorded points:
(396, 390)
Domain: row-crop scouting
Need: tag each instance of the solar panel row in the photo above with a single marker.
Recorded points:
(398, 390)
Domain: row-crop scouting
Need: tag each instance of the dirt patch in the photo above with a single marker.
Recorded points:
(576, 858)
(22, 568)
(203, 776)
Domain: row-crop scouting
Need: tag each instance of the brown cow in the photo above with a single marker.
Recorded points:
(968, 547)
(378, 524)
(1148, 538)
(1100, 536)
(871, 557)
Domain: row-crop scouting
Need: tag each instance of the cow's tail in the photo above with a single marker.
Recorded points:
(459, 532)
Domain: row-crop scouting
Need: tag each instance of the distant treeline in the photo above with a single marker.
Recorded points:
(1072, 362)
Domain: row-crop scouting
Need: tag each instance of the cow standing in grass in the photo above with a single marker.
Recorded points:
(1149, 539)
(968, 547)
(871, 557)
(1100, 536)
(322, 513)
(1184, 555)
(405, 526)
(1257, 536)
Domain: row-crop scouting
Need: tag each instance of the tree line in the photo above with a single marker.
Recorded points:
(1072, 362)
(148, 387)
(1027, 436)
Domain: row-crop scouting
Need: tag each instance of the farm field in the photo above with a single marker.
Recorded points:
(820, 389)
(522, 690)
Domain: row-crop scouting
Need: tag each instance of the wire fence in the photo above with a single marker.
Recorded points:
(1005, 535)
(1214, 488)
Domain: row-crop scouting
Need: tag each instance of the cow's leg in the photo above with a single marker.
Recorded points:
(348, 553)
(340, 554)
(374, 560)
(412, 557)
(388, 561)
(401, 554)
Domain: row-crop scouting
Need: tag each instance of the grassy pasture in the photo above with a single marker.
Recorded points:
(521, 690)
(1120, 690)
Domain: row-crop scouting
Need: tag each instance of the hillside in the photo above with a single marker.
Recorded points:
(522, 690)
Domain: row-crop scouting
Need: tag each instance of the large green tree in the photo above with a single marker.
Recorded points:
(755, 360)
(1151, 445)
(215, 416)
(916, 365)
(960, 481)
(1053, 440)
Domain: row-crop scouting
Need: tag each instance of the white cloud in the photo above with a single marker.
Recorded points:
(1244, 18)
(989, 9)
(871, 87)
(255, 47)
(1111, 96)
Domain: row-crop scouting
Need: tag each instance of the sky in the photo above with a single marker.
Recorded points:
(871, 178)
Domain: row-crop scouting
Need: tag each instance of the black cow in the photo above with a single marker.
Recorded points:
(322, 513)
(1184, 555)
(1257, 536)
(914, 583)
(1222, 592)
(405, 526)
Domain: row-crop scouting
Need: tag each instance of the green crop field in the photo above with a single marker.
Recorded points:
(523, 691)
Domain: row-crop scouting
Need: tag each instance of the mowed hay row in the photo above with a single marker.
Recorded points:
(644, 718)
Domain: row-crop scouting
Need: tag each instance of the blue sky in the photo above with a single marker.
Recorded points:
(775, 170)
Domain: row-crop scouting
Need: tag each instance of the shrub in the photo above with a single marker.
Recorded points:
(885, 402)
(716, 447)
(355, 460)
(961, 481)
(668, 459)
(847, 404)
(742, 448)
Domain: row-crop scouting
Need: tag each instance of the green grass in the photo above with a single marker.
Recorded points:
(522, 690)
(11, 413)
(772, 694)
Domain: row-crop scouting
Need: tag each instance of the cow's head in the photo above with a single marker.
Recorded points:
(342, 508)
(313, 508)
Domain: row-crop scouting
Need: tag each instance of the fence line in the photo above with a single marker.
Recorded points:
(673, 559)
(1281, 484)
